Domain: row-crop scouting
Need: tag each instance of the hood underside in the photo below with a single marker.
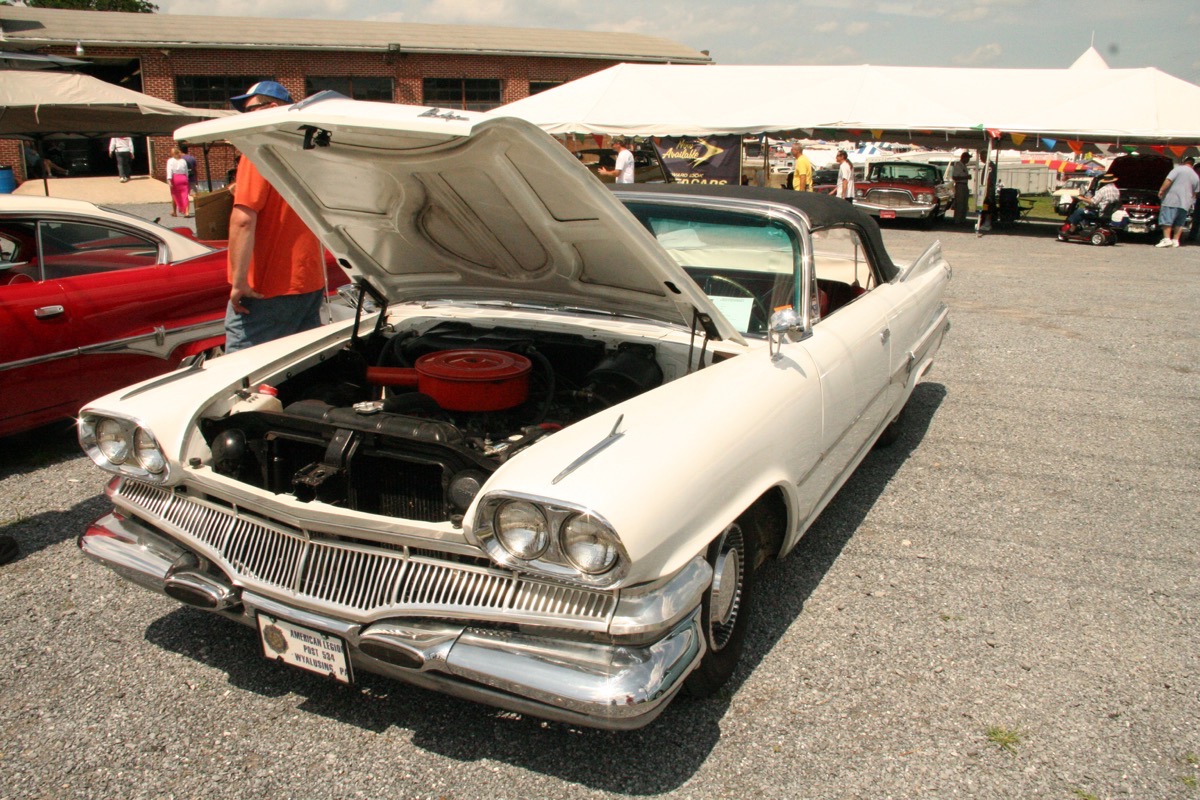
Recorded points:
(430, 204)
(1140, 171)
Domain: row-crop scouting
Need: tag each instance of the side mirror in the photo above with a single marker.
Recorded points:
(784, 322)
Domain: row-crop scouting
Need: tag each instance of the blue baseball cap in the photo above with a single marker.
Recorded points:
(270, 89)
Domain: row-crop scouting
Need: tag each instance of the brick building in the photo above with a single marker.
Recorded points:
(201, 62)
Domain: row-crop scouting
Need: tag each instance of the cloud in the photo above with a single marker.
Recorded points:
(857, 28)
(825, 27)
(973, 14)
(981, 56)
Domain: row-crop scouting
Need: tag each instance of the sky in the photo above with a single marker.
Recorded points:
(926, 33)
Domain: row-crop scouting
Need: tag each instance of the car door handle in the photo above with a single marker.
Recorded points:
(48, 311)
(884, 335)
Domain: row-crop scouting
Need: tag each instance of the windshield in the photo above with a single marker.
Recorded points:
(746, 264)
(914, 173)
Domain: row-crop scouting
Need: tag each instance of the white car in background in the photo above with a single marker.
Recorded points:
(544, 474)
(1068, 190)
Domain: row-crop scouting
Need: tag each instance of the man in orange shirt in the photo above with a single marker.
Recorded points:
(276, 264)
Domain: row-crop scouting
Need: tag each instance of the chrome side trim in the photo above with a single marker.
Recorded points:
(358, 581)
(160, 343)
(613, 436)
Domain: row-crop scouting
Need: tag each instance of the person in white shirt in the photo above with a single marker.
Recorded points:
(122, 148)
(845, 182)
(624, 167)
(177, 179)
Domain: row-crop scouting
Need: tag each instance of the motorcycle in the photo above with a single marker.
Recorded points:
(1097, 228)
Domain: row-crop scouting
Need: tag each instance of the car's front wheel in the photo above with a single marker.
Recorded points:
(726, 609)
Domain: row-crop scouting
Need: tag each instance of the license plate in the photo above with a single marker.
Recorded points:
(305, 648)
(885, 214)
(1137, 228)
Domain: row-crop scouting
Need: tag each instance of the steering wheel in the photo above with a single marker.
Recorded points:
(759, 313)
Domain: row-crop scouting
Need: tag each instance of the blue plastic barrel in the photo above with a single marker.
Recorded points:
(7, 181)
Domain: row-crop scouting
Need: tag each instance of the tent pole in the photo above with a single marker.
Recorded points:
(45, 169)
(207, 167)
(766, 154)
(987, 166)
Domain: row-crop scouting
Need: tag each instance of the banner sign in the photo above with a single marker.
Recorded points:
(701, 159)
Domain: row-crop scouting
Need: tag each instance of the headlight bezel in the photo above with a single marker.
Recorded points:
(138, 461)
(553, 561)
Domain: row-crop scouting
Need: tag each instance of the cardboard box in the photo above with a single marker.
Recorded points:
(212, 214)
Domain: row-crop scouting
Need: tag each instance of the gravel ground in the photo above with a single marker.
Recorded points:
(1004, 604)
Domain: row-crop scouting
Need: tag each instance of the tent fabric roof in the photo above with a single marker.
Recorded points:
(43, 27)
(927, 105)
(40, 102)
(1091, 59)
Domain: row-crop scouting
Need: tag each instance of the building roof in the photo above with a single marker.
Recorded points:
(39, 27)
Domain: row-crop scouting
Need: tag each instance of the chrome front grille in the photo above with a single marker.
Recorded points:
(359, 581)
(891, 198)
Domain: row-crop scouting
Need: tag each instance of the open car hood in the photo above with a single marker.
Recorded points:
(1140, 171)
(432, 204)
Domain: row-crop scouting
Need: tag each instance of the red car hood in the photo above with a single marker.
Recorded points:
(1140, 171)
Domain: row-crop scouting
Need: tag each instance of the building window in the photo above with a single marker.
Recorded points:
(541, 86)
(212, 91)
(472, 94)
(357, 88)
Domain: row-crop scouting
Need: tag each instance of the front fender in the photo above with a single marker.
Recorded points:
(685, 459)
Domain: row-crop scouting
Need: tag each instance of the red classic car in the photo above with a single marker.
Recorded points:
(1139, 178)
(904, 190)
(93, 299)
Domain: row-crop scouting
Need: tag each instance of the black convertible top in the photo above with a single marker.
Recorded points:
(822, 210)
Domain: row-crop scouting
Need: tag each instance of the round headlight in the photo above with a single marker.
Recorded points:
(147, 452)
(112, 441)
(522, 529)
(588, 544)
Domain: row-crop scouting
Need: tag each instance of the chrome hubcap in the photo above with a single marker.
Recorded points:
(726, 593)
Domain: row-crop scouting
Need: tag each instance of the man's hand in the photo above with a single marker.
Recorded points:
(238, 293)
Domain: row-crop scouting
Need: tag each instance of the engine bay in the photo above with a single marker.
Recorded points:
(411, 424)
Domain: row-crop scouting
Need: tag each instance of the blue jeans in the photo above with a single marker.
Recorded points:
(1172, 217)
(271, 318)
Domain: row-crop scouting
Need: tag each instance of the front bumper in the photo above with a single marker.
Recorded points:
(600, 685)
(897, 212)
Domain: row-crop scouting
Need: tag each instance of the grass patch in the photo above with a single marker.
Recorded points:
(1082, 795)
(1189, 781)
(1005, 738)
(1043, 207)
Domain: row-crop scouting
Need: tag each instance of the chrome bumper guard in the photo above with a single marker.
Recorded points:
(608, 686)
(901, 212)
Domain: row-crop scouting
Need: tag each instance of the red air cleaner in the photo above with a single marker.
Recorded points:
(464, 380)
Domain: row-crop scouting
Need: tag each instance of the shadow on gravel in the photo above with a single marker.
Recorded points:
(51, 527)
(37, 449)
(651, 761)
(40, 447)
(1033, 228)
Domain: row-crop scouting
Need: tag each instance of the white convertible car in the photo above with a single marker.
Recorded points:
(541, 468)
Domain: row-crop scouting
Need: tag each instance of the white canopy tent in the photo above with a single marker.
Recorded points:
(1048, 109)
